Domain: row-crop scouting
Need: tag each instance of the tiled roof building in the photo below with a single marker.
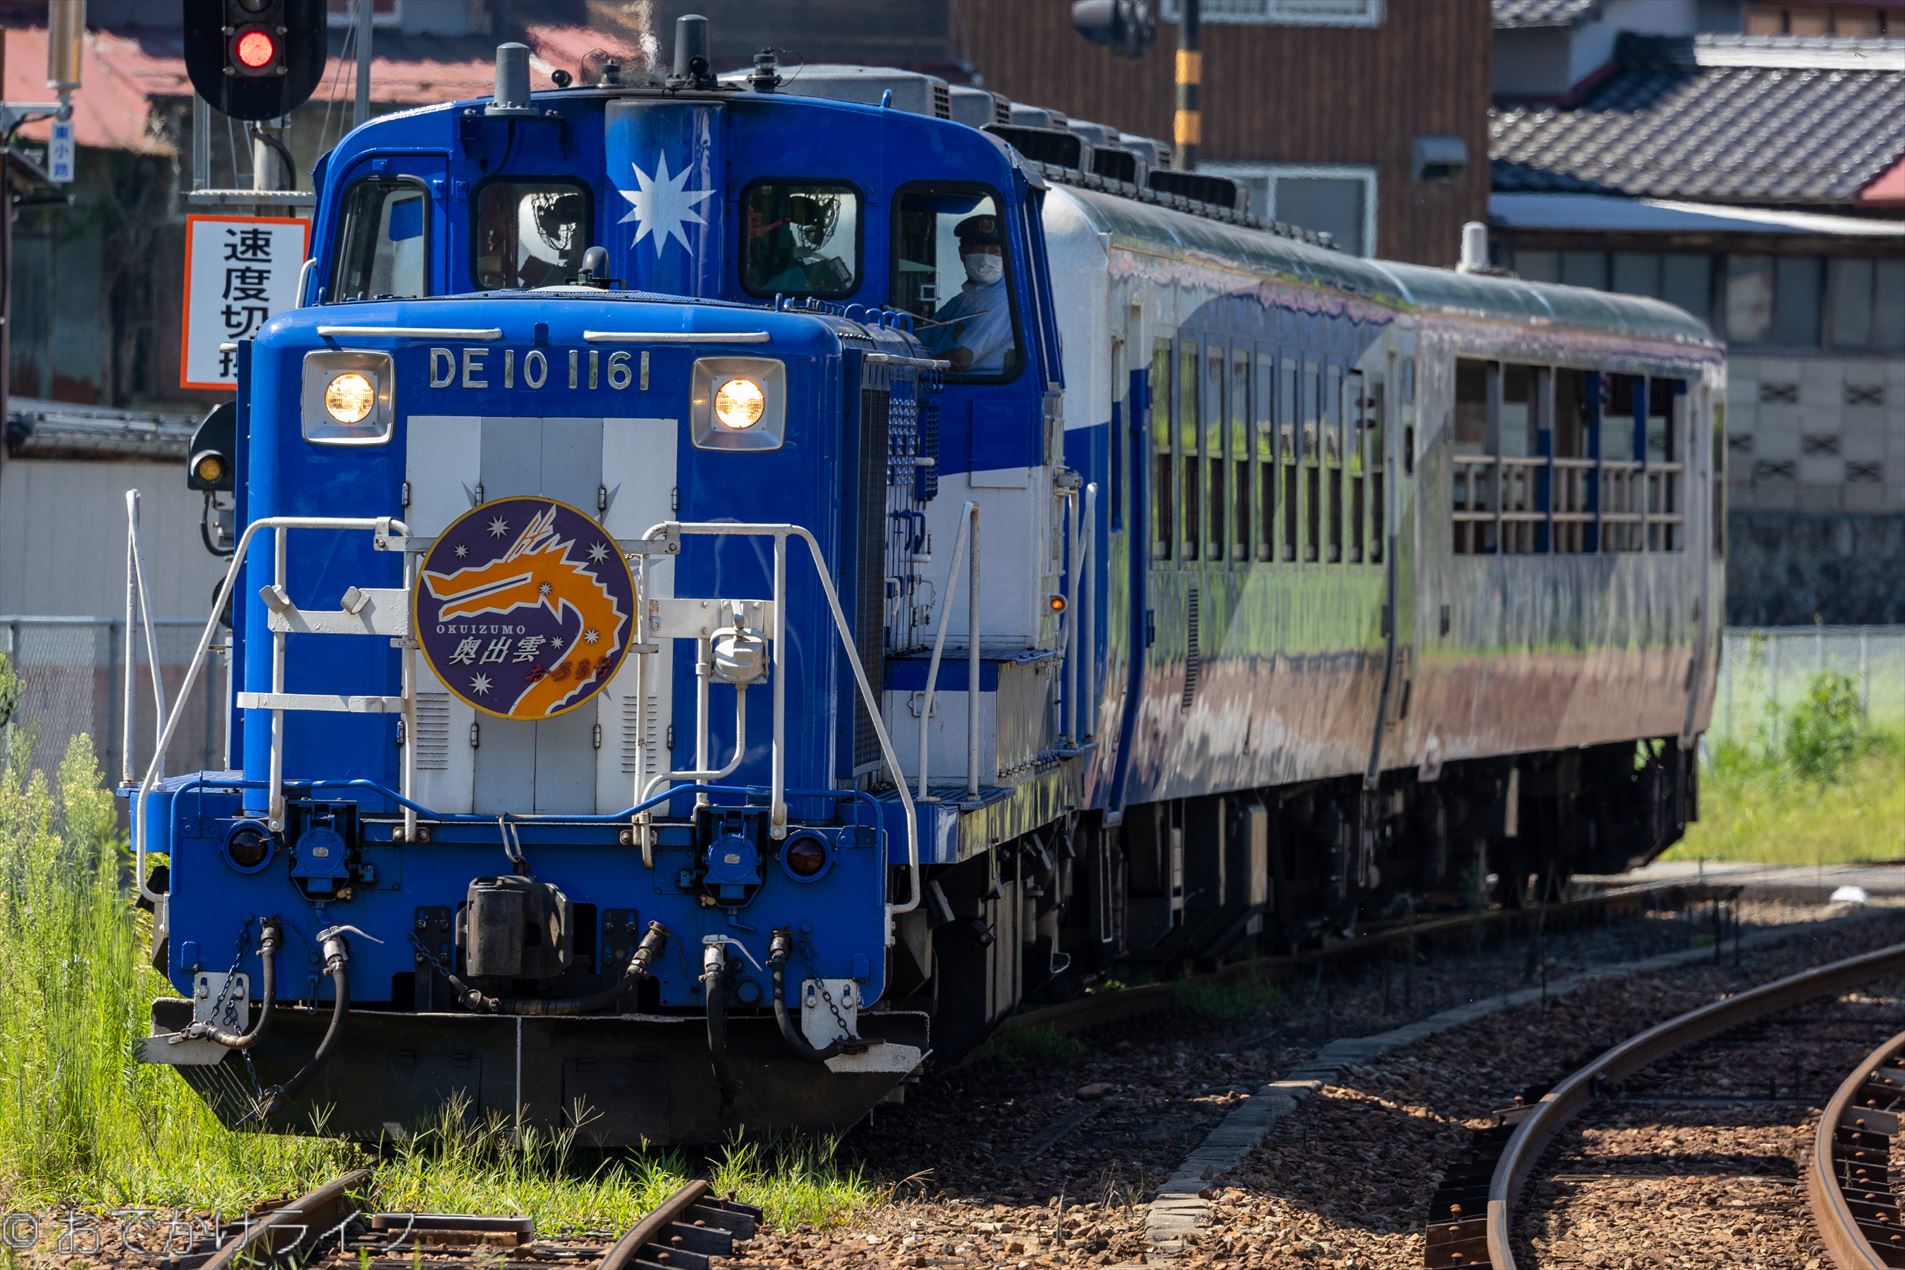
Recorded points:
(1751, 119)
(1758, 181)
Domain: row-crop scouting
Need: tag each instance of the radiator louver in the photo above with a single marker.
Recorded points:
(433, 731)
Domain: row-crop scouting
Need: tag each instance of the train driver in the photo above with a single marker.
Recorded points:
(973, 330)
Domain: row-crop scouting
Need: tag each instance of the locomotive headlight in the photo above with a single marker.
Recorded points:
(350, 397)
(347, 397)
(739, 403)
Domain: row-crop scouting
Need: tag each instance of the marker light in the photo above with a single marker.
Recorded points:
(255, 48)
(1058, 603)
(349, 397)
(805, 856)
(739, 404)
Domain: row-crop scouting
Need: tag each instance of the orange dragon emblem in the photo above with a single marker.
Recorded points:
(524, 607)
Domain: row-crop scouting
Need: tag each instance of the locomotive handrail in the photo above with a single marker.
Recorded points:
(915, 363)
(385, 527)
(1087, 618)
(136, 589)
(777, 797)
(676, 337)
(411, 332)
(968, 527)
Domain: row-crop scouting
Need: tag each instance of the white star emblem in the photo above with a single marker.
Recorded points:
(599, 552)
(480, 685)
(589, 637)
(659, 205)
(544, 589)
(556, 642)
(498, 526)
(461, 551)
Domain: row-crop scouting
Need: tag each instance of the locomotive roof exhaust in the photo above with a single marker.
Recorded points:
(693, 69)
(512, 82)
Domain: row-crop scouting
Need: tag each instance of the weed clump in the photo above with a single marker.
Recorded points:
(83, 1124)
(1827, 730)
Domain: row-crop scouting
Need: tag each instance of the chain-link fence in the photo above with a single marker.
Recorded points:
(1766, 671)
(70, 671)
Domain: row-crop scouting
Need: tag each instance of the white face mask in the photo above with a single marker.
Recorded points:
(984, 269)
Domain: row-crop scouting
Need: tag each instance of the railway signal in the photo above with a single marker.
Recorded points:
(1126, 27)
(255, 59)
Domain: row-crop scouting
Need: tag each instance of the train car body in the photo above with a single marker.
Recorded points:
(682, 684)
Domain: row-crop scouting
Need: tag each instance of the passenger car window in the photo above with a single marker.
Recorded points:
(803, 238)
(528, 233)
(383, 242)
(951, 271)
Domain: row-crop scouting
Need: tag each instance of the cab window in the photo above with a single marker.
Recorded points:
(952, 272)
(528, 233)
(803, 238)
(383, 242)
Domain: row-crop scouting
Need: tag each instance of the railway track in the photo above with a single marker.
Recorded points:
(1101, 1009)
(332, 1227)
(1849, 1183)
(1475, 1220)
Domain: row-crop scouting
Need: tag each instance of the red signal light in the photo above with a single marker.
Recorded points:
(255, 49)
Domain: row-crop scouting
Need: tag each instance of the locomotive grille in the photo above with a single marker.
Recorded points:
(869, 609)
(433, 731)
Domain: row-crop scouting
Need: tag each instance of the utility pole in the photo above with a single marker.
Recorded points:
(65, 34)
(1188, 129)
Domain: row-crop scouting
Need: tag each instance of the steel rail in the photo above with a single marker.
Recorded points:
(287, 1233)
(1567, 1099)
(1852, 1147)
(1099, 1009)
(692, 1222)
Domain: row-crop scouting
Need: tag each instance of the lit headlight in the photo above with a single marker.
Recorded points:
(346, 398)
(739, 403)
(350, 397)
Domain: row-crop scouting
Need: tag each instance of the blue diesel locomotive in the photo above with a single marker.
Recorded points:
(737, 583)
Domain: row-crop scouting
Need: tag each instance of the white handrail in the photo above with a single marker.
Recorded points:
(968, 524)
(703, 772)
(777, 793)
(136, 581)
(1088, 619)
(383, 526)
(972, 665)
(128, 697)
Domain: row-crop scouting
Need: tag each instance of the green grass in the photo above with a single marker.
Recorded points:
(459, 1166)
(83, 1124)
(1228, 1001)
(1756, 806)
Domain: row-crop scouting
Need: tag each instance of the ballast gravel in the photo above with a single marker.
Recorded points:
(1054, 1164)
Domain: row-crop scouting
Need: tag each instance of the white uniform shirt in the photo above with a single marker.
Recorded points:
(978, 319)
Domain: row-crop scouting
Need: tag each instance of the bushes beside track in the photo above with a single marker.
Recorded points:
(1816, 784)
